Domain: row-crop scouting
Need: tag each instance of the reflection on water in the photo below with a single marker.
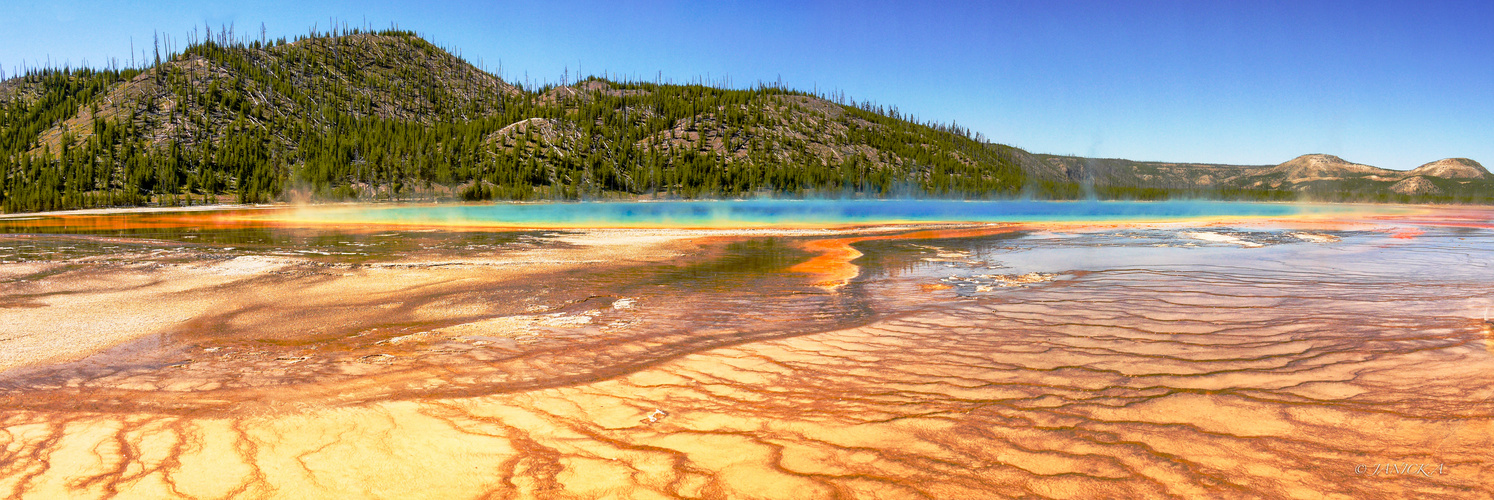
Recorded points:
(1248, 359)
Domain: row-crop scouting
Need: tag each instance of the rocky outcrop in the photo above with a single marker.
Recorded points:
(1415, 185)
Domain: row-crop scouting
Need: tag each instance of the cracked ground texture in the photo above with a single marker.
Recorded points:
(1101, 361)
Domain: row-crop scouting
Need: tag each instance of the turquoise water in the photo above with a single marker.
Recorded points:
(806, 212)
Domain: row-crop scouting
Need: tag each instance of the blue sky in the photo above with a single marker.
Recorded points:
(1391, 84)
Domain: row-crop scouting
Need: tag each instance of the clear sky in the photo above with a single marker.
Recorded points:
(1391, 84)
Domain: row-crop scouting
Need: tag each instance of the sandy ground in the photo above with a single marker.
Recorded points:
(624, 364)
(57, 317)
(52, 308)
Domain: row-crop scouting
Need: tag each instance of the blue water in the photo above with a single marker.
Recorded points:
(804, 212)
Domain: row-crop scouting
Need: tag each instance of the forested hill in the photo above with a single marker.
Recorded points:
(387, 115)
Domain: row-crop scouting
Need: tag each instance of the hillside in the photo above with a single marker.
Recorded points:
(388, 115)
(1307, 177)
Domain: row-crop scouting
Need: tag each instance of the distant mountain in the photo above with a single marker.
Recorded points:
(1452, 168)
(1118, 172)
(1316, 167)
(1312, 176)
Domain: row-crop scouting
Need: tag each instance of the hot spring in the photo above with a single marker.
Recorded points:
(749, 349)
